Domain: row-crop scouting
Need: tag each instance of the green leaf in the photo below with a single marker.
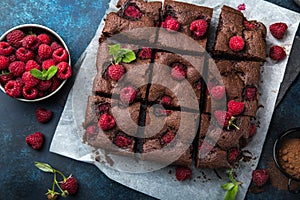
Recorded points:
(51, 72)
(231, 194)
(114, 49)
(129, 57)
(44, 167)
(228, 186)
(231, 177)
(37, 74)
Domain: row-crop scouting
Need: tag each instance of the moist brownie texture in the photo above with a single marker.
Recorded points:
(241, 80)
(233, 23)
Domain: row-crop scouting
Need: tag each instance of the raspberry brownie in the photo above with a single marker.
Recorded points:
(105, 123)
(238, 38)
(132, 15)
(168, 135)
(191, 20)
(233, 83)
(176, 80)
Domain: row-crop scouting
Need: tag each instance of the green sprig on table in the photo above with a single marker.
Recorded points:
(231, 187)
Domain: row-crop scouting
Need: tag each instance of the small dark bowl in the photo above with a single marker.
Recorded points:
(289, 134)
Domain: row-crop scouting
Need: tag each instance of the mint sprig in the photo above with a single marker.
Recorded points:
(121, 54)
(231, 187)
(45, 74)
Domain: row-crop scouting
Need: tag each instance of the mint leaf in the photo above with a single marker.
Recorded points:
(228, 186)
(231, 177)
(37, 74)
(231, 194)
(44, 167)
(113, 49)
(129, 57)
(51, 72)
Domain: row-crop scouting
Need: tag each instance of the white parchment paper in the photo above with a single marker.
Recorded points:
(205, 184)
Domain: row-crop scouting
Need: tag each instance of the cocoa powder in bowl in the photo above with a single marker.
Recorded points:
(289, 157)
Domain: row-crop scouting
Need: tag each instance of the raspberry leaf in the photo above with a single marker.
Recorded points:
(36, 73)
(51, 72)
(44, 167)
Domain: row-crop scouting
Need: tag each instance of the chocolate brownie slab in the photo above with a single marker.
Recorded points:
(176, 80)
(240, 79)
(110, 127)
(232, 23)
(190, 20)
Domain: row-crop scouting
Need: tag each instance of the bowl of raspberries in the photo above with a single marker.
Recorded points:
(34, 62)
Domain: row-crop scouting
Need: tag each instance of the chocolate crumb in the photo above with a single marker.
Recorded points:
(255, 189)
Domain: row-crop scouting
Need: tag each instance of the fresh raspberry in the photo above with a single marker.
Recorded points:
(24, 54)
(232, 155)
(29, 92)
(166, 101)
(122, 141)
(44, 85)
(5, 49)
(4, 78)
(91, 130)
(223, 118)
(45, 51)
(35, 140)
(55, 45)
(43, 115)
(115, 72)
(171, 24)
(17, 68)
(278, 29)
(39, 60)
(4, 62)
(252, 130)
(198, 27)
(104, 108)
(44, 38)
(15, 37)
(168, 137)
(12, 57)
(29, 80)
(31, 42)
(183, 173)
(127, 95)
(145, 53)
(260, 177)
(236, 43)
(178, 71)
(250, 93)
(70, 185)
(277, 53)
(106, 122)
(20, 81)
(218, 92)
(48, 63)
(55, 84)
(64, 70)
(133, 12)
(235, 107)
(32, 64)
(241, 7)
(249, 25)
(60, 55)
(13, 88)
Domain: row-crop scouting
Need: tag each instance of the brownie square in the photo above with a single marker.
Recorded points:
(183, 38)
(241, 80)
(185, 92)
(233, 23)
(119, 137)
(168, 136)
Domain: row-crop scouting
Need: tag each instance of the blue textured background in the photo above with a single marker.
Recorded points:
(76, 22)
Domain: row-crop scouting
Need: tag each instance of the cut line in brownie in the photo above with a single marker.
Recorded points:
(188, 21)
(110, 127)
(240, 79)
(233, 23)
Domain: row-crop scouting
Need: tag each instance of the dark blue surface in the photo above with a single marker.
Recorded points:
(76, 22)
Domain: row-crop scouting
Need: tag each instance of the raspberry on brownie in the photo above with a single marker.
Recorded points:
(188, 19)
(238, 38)
(240, 79)
(110, 127)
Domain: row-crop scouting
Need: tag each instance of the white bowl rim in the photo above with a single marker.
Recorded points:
(60, 40)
